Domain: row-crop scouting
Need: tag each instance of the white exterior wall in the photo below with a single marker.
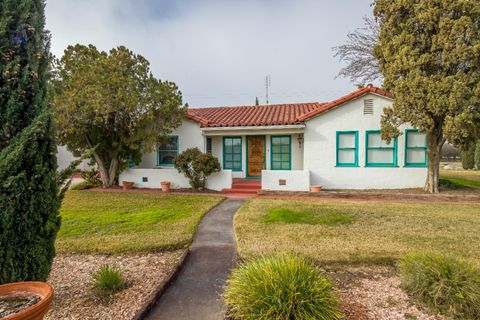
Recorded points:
(297, 150)
(320, 150)
(295, 180)
(189, 136)
(217, 181)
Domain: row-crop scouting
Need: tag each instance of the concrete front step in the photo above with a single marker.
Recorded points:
(240, 190)
(246, 186)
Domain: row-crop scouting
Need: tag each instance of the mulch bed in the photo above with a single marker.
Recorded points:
(186, 191)
(375, 294)
(75, 298)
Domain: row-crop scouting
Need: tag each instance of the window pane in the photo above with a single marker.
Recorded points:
(285, 149)
(228, 157)
(375, 140)
(276, 157)
(209, 145)
(285, 157)
(166, 157)
(237, 165)
(276, 149)
(276, 165)
(346, 156)
(237, 149)
(237, 157)
(415, 156)
(380, 156)
(285, 165)
(171, 144)
(415, 139)
(346, 140)
(285, 141)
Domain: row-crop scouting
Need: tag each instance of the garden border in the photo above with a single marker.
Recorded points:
(160, 290)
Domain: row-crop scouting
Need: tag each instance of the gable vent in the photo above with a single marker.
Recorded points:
(368, 106)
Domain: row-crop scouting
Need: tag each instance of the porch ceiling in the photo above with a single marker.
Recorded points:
(254, 130)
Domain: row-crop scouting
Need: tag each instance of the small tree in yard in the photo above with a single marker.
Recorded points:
(429, 57)
(111, 103)
(468, 156)
(196, 166)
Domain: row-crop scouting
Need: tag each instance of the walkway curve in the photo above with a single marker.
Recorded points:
(195, 293)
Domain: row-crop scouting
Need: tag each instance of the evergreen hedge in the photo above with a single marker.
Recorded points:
(29, 184)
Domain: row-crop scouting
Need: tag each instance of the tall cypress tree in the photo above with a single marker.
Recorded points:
(29, 192)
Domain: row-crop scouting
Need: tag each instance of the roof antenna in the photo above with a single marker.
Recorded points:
(268, 83)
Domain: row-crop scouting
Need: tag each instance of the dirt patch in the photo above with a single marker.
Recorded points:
(463, 195)
(72, 282)
(375, 294)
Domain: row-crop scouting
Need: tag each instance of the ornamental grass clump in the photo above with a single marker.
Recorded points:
(280, 287)
(108, 280)
(442, 284)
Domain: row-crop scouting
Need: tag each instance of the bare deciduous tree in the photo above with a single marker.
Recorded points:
(362, 67)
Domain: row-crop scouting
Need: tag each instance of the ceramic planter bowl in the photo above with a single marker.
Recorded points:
(36, 311)
(127, 185)
(315, 188)
(165, 186)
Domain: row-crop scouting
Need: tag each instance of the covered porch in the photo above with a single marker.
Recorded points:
(272, 155)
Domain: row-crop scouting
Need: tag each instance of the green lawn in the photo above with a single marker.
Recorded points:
(115, 222)
(467, 178)
(334, 232)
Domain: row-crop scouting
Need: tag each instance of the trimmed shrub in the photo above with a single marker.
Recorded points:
(92, 177)
(468, 156)
(83, 186)
(443, 284)
(477, 155)
(196, 166)
(280, 287)
(108, 280)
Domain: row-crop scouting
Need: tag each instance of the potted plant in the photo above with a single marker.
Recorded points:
(165, 186)
(25, 300)
(316, 188)
(127, 185)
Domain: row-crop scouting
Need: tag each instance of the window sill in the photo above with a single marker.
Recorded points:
(381, 166)
(347, 166)
(413, 165)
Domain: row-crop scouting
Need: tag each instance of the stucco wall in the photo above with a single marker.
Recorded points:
(295, 180)
(320, 150)
(297, 151)
(217, 181)
(189, 136)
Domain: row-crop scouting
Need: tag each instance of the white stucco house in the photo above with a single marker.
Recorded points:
(336, 145)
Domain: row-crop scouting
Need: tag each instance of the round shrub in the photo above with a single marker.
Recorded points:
(280, 287)
(443, 284)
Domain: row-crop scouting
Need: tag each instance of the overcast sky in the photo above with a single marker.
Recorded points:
(219, 51)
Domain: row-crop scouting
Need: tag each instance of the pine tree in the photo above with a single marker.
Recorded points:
(29, 192)
(256, 101)
(477, 155)
(468, 156)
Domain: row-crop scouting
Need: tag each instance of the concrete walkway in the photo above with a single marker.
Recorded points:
(195, 293)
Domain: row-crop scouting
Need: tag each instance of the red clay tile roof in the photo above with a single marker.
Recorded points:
(264, 115)
(273, 114)
(335, 103)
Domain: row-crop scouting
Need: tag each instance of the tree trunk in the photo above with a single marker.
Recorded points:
(435, 141)
(112, 172)
(104, 174)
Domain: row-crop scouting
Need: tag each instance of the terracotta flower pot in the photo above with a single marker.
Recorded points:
(165, 186)
(316, 188)
(36, 311)
(127, 185)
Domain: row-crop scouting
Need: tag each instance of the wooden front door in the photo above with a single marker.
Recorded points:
(256, 155)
